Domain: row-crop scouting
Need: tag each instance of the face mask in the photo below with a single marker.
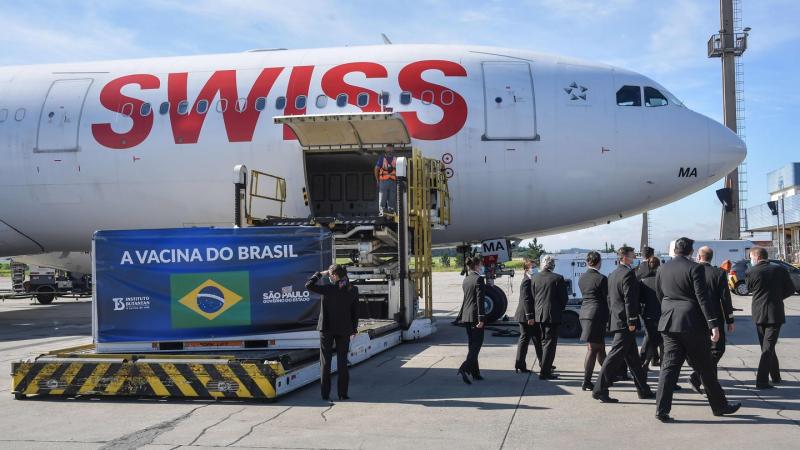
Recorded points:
(753, 262)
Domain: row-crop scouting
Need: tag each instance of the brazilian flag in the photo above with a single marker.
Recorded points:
(220, 299)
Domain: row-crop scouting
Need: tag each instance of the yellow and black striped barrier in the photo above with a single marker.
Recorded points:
(146, 377)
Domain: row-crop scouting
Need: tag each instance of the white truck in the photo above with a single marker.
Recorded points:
(733, 250)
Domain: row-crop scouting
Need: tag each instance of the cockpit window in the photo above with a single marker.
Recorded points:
(653, 97)
(629, 96)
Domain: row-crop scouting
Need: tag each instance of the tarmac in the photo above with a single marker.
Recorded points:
(409, 397)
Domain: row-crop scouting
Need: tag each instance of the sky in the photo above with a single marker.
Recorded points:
(665, 40)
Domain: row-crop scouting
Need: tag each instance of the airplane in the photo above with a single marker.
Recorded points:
(535, 144)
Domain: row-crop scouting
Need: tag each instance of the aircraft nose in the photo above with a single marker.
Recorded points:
(725, 149)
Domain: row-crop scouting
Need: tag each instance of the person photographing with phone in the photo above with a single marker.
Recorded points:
(337, 324)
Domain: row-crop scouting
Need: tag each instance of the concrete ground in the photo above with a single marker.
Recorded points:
(409, 397)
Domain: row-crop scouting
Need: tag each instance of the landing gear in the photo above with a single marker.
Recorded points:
(495, 303)
(45, 295)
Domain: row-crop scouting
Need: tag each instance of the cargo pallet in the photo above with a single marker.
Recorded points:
(248, 374)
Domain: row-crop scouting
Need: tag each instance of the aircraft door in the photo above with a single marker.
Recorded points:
(628, 116)
(509, 102)
(59, 121)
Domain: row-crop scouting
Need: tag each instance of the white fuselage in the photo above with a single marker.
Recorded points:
(539, 144)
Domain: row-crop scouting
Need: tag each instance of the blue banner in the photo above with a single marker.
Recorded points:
(206, 283)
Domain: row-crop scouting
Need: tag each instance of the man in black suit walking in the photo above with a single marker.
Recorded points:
(644, 270)
(472, 317)
(550, 298)
(623, 301)
(720, 295)
(686, 317)
(770, 286)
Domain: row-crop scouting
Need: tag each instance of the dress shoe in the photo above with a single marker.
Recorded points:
(776, 380)
(344, 397)
(587, 386)
(764, 386)
(464, 377)
(730, 408)
(646, 395)
(604, 398)
(551, 376)
(477, 376)
(519, 366)
(664, 418)
(677, 387)
(622, 377)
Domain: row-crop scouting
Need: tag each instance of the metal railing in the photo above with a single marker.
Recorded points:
(274, 191)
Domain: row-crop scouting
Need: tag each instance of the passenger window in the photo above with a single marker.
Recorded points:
(261, 103)
(222, 105)
(202, 106)
(127, 109)
(145, 109)
(427, 97)
(448, 97)
(322, 100)
(280, 103)
(19, 115)
(3, 115)
(341, 100)
(405, 98)
(362, 99)
(629, 96)
(653, 97)
(183, 108)
(163, 108)
(384, 98)
(300, 102)
(241, 104)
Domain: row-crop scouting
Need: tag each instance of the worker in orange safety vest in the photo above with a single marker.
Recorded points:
(386, 176)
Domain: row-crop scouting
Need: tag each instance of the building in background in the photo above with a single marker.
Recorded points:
(783, 186)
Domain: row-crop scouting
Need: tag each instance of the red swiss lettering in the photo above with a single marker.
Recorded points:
(333, 83)
(112, 98)
(299, 81)
(454, 113)
(240, 119)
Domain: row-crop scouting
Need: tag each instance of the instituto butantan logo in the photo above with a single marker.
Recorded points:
(210, 299)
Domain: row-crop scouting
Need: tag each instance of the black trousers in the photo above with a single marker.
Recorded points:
(474, 344)
(694, 347)
(717, 350)
(326, 342)
(549, 344)
(528, 333)
(623, 350)
(651, 344)
(768, 365)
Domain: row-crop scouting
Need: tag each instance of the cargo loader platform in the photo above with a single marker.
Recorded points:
(247, 374)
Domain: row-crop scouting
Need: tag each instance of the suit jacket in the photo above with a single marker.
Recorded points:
(474, 288)
(338, 310)
(643, 270)
(594, 288)
(769, 285)
(549, 295)
(651, 307)
(685, 306)
(718, 292)
(623, 298)
(525, 308)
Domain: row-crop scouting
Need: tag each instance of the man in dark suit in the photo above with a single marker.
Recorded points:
(623, 302)
(550, 298)
(686, 317)
(770, 285)
(338, 323)
(643, 270)
(529, 330)
(472, 317)
(720, 295)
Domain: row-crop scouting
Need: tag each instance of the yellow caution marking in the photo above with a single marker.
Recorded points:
(204, 378)
(19, 374)
(152, 380)
(46, 372)
(261, 381)
(180, 381)
(118, 379)
(93, 379)
(68, 376)
(242, 391)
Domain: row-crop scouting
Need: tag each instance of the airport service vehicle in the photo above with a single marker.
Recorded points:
(45, 283)
(736, 276)
(732, 250)
(183, 353)
(571, 266)
(138, 144)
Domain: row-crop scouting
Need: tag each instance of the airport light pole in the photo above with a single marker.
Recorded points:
(729, 45)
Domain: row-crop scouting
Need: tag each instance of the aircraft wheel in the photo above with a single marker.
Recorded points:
(495, 304)
(45, 295)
